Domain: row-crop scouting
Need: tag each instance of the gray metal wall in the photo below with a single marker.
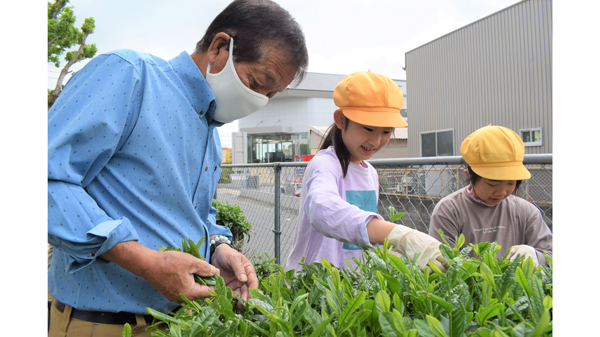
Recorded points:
(496, 70)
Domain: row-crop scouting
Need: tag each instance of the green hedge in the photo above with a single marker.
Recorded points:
(385, 295)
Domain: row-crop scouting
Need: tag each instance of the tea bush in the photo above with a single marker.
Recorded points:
(233, 217)
(385, 295)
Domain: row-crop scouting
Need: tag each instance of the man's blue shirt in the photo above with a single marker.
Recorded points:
(133, 154)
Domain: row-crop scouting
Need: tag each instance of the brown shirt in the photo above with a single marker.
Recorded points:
(514, 221)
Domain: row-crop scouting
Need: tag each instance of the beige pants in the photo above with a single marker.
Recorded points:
(62, 325)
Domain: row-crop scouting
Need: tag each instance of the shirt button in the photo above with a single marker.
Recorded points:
(201, 112)
(212, 104)
(92, 254)
(195, 206)
(206, 169)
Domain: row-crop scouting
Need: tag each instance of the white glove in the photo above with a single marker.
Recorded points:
(525, 251)
(408, 242)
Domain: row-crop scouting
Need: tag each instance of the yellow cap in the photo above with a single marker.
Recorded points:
(495, 153)
(370, 99)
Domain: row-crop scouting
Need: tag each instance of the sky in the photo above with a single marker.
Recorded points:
(342, 36)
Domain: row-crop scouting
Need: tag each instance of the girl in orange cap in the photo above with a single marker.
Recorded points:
(338, 204)
(487, 210)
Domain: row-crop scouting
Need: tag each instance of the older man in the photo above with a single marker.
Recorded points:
(133, 163)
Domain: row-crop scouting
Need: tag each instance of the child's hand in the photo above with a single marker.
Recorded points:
(524, 251)
(408, 241)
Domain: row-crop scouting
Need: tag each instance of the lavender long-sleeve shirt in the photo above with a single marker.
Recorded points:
(334, 212)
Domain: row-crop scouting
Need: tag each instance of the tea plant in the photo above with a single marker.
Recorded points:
(384, 295)
(193, 249)
(233, 217)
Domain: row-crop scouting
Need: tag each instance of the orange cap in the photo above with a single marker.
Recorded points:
(495, 153)
(370, 99)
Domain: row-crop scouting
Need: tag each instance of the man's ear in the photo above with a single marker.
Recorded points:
(217, 52)
(338, 118)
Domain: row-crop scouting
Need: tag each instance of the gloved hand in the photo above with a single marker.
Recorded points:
(407, 242)
(525, 251)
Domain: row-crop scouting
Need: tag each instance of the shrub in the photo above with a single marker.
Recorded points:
(385, 295)
(264, 266)
(233, 217)
(225, 176)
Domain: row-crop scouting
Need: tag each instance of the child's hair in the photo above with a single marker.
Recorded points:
(334, 137)
(474, 178)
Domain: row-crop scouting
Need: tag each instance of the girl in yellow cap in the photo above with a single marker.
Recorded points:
(487, 210)
(338, 204)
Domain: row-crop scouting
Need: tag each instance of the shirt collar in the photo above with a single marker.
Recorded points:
(197, 90)
(474, 196)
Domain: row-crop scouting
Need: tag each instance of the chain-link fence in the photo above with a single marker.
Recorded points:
(268, 194)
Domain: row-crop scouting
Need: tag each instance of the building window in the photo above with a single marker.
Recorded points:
(437, 143)
(532, 137)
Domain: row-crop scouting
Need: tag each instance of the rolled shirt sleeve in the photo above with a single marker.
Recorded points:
(85, 128)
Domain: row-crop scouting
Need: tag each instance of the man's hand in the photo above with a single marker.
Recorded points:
(237, 271)
(170, 272)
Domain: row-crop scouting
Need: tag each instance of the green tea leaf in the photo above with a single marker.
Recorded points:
(175, 330)
(255, 302)
(523, 282)
(351, 306)
(447, 306)
(319, 329)
(484, 314)
(331, 302)
(481, 248)
(436, 326)
(206, 317)
(487, 275)
(537, 297)
(255, 326)
(441, 233)
(300, 298)
(434, 267)
(312, 317)
(458, 320)
(126, 330)
(447, 252)
(423, 328)
(460, 242)
(394, 286)
(547, 302)
(399, 320)
(398, 264)
(528, 267)
(374, 316)
(383, 301)
(163, 317)
(507, 280)
(388, 324)
(542, 325)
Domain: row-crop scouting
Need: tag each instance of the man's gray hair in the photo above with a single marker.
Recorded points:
(257, 26)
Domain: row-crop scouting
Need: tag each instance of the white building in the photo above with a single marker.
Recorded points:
(294, 122)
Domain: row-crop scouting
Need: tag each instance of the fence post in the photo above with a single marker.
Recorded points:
(277, 221)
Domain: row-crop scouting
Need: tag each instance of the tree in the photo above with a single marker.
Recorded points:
(62, 35)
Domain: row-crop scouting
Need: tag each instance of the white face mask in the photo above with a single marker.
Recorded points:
(234, 99)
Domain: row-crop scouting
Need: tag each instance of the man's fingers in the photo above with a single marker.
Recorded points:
(238, 266)
(199, 291)
(252, 278)
(205, 269)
